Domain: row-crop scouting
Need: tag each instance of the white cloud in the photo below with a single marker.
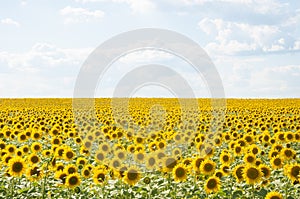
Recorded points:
(257, 6)
(145, 56)
(235, 37)
(136, 6)
(9, 21)
(44, 71)
(78, 15)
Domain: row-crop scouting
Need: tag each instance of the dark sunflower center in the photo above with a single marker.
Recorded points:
(208, 167)
(252, 173)
(116, 164)
(105, 148)
(170, 163)
(36, 147)
(71, 170)
(225, 158)
(56, 141)
(73, 180)
(265, 171)
(239, 172)
(255, 150)
(17, 167)
(121, 155)
(86, 173)
(275, 197)
(70, 154)
(288, 153)
(151, 161)
(277, 161)
(101, 177)
(295, 171)
(180, 172)
(140, 156)
(238, 149)
(34, 159)
(132, 175)
(250, 159)
(100, 156)
(211, 184)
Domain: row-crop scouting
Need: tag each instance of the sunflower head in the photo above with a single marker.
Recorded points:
(17, 166)
(252, 174)
(212, 185)
(180, 172)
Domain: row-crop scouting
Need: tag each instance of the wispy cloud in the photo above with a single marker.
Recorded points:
(74, 15)
(9, 21)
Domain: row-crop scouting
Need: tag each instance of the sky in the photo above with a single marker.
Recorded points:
(254, 45)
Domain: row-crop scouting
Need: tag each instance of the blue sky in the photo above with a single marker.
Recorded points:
(255, 45)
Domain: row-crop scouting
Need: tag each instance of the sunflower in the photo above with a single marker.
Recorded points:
(132, 176)
(274, 195)
(81, 161)
(120, 154)
(238, 172)
(180, 172)
(212, 185)
(252, 174)
(238, 150)
(139, 156)
(249, 158)
(6, 158)
(266, 170)
(151, 162)
(73, 180)
(105, 148)
(70, 169)
(219, 174)
(168, 164)
(225, 169)
(287, 153)
(33, 158)
(17, 166)
(225, 158)
(86, 172)
(36, 147)
(197, 163)
(99, 176)
(37, 135)
(11, 149)
(34, 173)
(208, 167)
(276, 162)
(68, 154)
(293, 172)
(22, 137)
(115, 163)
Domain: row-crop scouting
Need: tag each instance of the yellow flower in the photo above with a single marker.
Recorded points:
(73, 180)
(274, 195)
(252, 174)
(180, 172)
(132, 176)
(208, 167)
(212, 185)
(17, 166)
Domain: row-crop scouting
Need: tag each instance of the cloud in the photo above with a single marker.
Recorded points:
(257, 6)
(235, 37)
(9, 21)
(277, 81)
(80, 15)
(136, 6)
(43, 71)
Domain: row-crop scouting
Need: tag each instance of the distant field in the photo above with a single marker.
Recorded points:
(149, 148)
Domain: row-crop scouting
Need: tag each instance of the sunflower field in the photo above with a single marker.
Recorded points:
(149, 148)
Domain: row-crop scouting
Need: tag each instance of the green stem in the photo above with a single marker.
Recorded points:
(253, 196)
